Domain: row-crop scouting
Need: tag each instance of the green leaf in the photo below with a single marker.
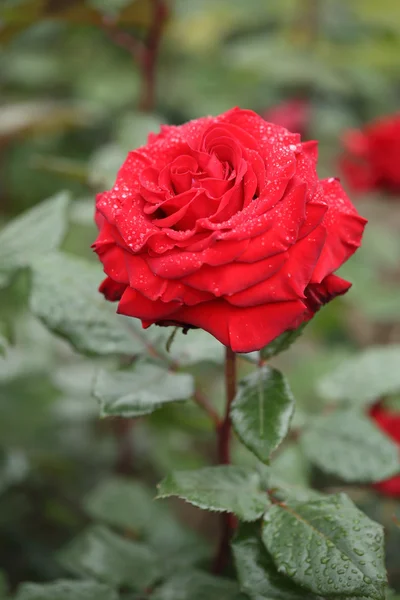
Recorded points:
(281, 343)
(3, 345)
(65, 297)
(66, 590)
(104, 165)
(223, 488)
(196, 585)
(348, 444)
(122, 503)
(196, 346)
(257, 574)
(364, 378)
(290, 465)
(134, 128)
(262, 410)
(33, 234)
(101, 554)
(140, 391)
(327, 546)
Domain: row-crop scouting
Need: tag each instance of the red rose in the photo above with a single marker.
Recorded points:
(223, 224)
(389, 422)
(372, 156)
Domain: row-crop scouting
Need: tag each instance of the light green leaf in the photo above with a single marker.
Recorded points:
(34, 233)
(134, 128)
(101, 554)
(3, 345)
(140, 391)
(196, 585)
(327, 546)
(122, 503)
(290, 465)
(262, 410)
(348, 444)
(66, 590)
(281, 343)
(65, 297)
(104, 165)
(257, 574)
(196, 346)
(364, 378)
(223, 488)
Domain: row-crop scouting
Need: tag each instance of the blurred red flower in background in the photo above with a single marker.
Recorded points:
(389, 422)
(294, 115)
(371, 160)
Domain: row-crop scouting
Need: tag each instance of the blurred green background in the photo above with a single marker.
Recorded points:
(69, 98)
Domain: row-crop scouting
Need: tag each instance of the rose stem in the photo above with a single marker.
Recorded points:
(149, 59)
(223, 440)
(144, 53)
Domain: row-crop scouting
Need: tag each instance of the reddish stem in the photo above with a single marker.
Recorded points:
(224, 430)
(144, 53)
(149, 59)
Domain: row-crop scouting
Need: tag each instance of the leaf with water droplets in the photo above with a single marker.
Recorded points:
(365, 378)
(327, 546)
(224, 488)
(257, 574)
(64, 297)
(262, 410)
(349, 445)
(140, 390)
(281, 343)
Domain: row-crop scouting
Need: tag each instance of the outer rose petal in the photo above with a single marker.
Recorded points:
(244, 330)
(344, 227)
(112, 290)
(389, 422)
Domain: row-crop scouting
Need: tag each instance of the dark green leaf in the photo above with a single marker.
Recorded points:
(65, 297)
(112, 559)
(327, 546)
(222, 489)
(257, 574)
(364, 378)
(348, 444)
(281, 343)
(196, 585)
(140, 391)
(33, 234)
(262, 410)
(66, 590)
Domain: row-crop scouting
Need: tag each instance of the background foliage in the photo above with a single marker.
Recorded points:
(69, 98)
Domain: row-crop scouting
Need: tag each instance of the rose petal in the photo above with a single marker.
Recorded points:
(344, 227)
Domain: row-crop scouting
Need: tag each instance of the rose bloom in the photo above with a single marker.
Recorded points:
(372, 156)
(223, 224)
(389, 422)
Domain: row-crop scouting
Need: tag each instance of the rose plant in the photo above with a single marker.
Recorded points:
(220, 226)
